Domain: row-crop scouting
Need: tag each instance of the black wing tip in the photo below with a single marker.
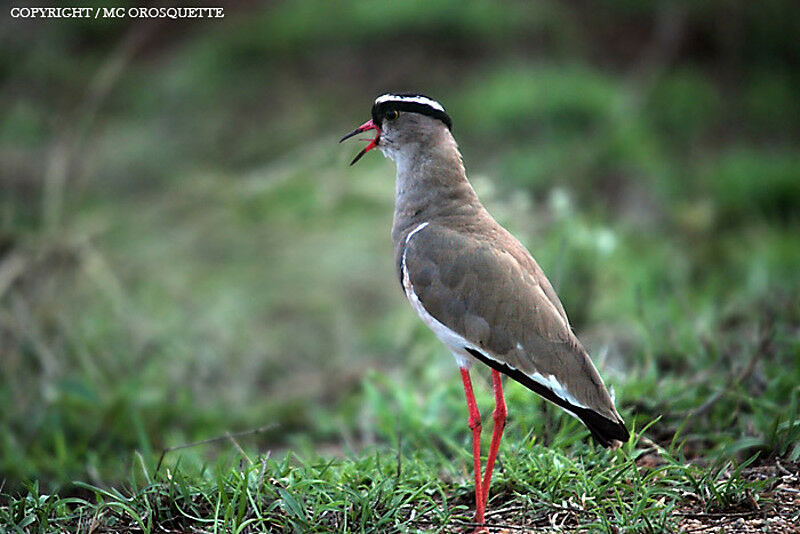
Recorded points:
(607, 432)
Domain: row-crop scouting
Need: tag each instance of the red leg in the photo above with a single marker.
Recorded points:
(475, 425)
(499, 416)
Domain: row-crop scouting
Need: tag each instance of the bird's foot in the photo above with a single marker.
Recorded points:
(482, 528)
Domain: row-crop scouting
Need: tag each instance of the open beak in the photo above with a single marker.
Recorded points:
(369, 125)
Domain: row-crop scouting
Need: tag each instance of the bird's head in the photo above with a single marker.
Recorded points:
(401, 121)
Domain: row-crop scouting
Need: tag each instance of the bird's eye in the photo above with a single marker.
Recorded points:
(392, 115)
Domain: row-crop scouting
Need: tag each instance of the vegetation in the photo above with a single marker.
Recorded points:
(185, 254)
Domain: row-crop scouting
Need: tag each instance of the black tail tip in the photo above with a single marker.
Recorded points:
(608, 433)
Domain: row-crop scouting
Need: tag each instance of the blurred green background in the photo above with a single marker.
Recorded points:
(185, 252)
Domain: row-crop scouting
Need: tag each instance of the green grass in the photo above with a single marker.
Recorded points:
(212, 265)
(378, 491)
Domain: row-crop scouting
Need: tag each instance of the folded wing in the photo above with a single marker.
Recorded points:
(489, 291)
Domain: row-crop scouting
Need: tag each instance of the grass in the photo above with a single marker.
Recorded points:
(377, 491)
(210, 264)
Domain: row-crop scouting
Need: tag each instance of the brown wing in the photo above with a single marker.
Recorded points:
(491, 292)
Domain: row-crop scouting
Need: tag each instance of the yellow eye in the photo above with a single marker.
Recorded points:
(392, 115)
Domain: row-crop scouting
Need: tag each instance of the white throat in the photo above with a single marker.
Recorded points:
(387, 151)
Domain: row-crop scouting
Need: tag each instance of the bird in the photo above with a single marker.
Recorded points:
(475, 285)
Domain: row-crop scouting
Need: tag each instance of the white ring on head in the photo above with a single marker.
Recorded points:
(415, 99)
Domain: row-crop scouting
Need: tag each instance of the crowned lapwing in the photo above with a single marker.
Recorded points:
(475, 285)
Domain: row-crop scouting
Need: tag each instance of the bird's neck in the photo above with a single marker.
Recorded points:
(431, 186)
